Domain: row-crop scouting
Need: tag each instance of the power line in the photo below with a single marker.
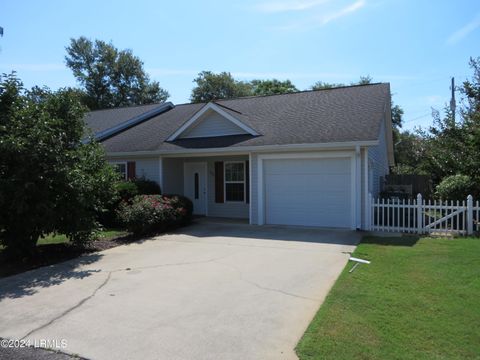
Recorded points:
(418, 118)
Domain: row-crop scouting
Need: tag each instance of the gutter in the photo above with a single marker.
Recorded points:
(105, 134)
(247, 149)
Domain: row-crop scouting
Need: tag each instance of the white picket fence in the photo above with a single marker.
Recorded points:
(424, 217)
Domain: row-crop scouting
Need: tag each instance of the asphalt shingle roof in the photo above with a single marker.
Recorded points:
(351, 113)
(101, 120)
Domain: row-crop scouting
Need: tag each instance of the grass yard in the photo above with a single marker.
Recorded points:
(59, 238)
(53, 249)
(416, 300)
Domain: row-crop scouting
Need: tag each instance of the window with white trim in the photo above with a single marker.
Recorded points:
(121, 169)
(234, 181)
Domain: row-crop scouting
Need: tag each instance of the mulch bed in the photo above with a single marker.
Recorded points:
(50, 254)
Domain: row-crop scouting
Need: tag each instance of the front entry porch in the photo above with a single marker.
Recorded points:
(219, 186)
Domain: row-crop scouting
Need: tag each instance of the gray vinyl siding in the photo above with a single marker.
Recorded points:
(378, 161)
(172, 176)
(212, 124)
(226, 209)
(148, 169)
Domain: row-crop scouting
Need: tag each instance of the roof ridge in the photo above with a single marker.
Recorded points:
(304, 91)
(127, 107)
(226, 107)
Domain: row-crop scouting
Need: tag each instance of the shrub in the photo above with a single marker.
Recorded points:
(455, 187)
(155, 213)
(126, 191)
(51, 180)
(147, 187)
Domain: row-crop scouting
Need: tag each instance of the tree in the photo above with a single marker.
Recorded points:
(111, 77)
(397, 116)
(452, 144)
(211, 86)
(408, 152)
(319, 85)
(50, 179)
(272, 87)
(364, 80)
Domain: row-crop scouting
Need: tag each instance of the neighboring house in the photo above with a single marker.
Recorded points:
(308, 158)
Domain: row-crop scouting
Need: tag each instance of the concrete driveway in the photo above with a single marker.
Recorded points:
(209, 291)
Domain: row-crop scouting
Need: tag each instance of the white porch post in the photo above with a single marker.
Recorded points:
(358, 188)
(366, 210)
(160, 173)
(250, 220)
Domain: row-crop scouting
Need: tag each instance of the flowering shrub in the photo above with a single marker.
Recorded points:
(155, 213)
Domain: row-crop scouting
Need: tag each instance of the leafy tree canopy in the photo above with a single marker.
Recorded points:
(272, 87)
(452, 144)
(50, 180)
(111, 77)
(211, 86)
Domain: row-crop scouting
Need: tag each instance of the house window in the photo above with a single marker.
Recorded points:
(121, 169)
(235, 181)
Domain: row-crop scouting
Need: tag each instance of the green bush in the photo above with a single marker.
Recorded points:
(155, 213)
(455, 187)
(126, 191)
(147, 187)
(51, 179)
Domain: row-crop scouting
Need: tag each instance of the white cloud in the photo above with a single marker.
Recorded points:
(435, 100)
(343, 12)
(323, 19)
(291, 76)
(246, 75)
(290, 5)
(33, 67)
(170, 72)
(464, 31)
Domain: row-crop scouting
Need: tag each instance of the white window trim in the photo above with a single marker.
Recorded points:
(244, 182)
(113, 163)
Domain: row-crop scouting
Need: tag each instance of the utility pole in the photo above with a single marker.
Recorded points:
(453, 105)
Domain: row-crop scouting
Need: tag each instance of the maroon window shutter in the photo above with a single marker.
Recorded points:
(131, 170)
(219, 182)
(247, 182)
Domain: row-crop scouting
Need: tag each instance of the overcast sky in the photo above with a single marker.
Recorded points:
(413, 44)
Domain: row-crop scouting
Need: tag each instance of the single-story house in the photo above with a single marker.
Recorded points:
(308, 158)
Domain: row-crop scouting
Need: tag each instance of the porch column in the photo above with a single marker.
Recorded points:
(366, 203)
(160, 173)
(358, 188)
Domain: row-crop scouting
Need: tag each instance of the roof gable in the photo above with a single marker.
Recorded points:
(212, 121)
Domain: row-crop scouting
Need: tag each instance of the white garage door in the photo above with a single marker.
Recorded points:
(310, 192)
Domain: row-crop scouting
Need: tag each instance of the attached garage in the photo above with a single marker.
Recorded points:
(313, 191)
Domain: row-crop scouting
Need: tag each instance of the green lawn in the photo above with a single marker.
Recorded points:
(416, 300)
(59, 238)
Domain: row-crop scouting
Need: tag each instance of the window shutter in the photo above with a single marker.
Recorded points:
(131, 172)
(247, 182)
(219, 182)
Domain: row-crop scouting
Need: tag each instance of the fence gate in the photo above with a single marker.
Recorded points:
(420, 217)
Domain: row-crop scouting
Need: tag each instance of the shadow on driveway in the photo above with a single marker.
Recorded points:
(27, 283)
(208, 228)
